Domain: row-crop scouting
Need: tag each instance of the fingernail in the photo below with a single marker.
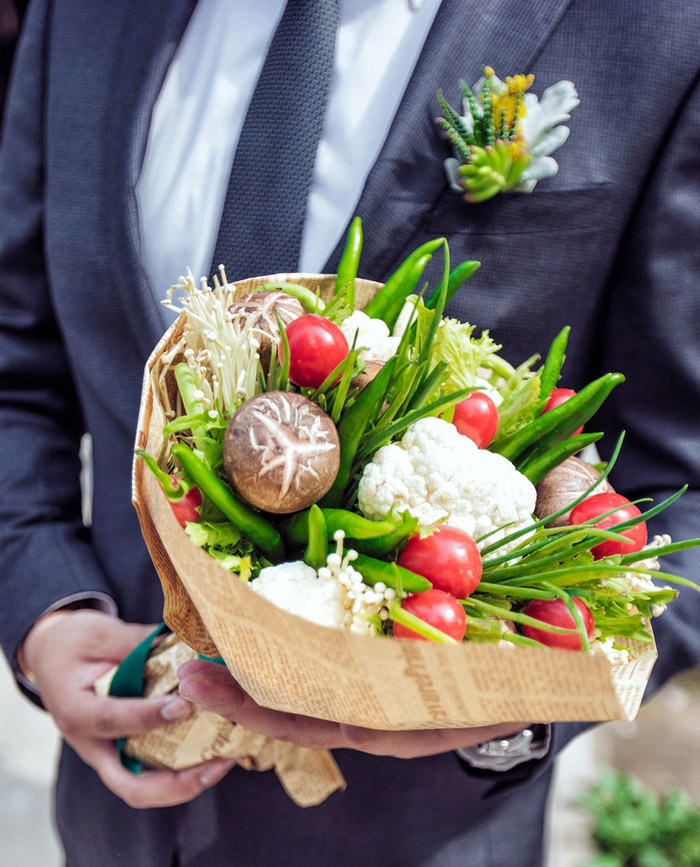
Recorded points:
(185, 689)
(176, 709)
(215, 770)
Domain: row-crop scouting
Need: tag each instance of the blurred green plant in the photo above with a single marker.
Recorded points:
(636, 827)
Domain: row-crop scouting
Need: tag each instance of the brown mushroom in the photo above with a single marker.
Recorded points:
(366, 376)
(257, 311)
(281, 451)
(563, 485)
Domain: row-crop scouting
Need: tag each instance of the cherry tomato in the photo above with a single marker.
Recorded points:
(448, 558)
(476, 417)
(437, 608)
(186, 509)
(316, 348)
(598, 504)
(556, 398)
(555, 612)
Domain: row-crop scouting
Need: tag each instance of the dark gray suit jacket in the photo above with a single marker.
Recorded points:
(610, 245)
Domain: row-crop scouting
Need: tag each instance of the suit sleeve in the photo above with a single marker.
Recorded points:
(652, 335)
(650, 331)
(45, 551)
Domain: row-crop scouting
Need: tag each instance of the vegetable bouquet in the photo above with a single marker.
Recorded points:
(329, 452)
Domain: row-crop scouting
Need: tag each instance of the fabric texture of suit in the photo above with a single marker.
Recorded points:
(609, 246)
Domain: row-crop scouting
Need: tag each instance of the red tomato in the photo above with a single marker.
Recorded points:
(555, 612)
(449, 559)
(437, 608)
(476, 417)
(316, 348)
(596, 505)
(186, 509)
(556, 398)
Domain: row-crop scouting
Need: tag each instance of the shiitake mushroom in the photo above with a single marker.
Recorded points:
(281, 451)
(563, 485)
(257, 311)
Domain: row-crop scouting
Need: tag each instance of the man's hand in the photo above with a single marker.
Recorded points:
(66, 651)
(213, 688)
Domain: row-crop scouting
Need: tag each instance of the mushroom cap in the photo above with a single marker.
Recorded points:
(563, 485)
(281, 451)
(257, 311)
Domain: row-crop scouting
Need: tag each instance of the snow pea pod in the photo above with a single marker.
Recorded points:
(317, 546)
(251, 525)
(399, 286)
(350, 261)
(375, 571)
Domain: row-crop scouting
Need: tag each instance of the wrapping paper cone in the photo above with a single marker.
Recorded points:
(289, 664)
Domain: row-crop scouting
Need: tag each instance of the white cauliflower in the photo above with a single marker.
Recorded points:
(335, 596)
(439, 475)
(372, 333)
(296, 588)
(614, 655)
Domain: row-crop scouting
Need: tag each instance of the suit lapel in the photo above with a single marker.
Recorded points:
(404, 183)
(408, 177)
(150, 34)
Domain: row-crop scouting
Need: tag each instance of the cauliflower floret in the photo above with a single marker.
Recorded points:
(436, 473)
(335, 596)
(372, 333)
(614, 656)
(297, 588)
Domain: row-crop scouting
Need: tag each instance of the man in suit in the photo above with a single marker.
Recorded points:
(608, 245)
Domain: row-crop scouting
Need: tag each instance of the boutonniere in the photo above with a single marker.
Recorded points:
(505, 138)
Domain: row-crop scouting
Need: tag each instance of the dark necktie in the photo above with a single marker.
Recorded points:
(263, 217)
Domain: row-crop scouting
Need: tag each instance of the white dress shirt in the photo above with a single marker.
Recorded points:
(200, 111)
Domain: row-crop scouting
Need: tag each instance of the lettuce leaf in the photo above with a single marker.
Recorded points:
(223, 542)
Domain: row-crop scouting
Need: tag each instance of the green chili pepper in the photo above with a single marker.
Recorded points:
(375, 571)
(550, 428)
(384, 546)
(296, 528)
(537, 468)
(251, 525)
(193, 406)
(458, 277)
(398, 287)
(552, 366)
(349, 263)
(352, 426)
(394, 305)
(307, 297)
(317, 535)
(173, 488)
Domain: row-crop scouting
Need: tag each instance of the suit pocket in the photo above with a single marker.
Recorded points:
(523, 213)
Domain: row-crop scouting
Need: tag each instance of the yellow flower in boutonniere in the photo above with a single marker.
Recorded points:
(505, 138)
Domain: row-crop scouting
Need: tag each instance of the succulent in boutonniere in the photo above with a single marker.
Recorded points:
(505, 138)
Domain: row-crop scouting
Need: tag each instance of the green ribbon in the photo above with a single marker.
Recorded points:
(128, 683)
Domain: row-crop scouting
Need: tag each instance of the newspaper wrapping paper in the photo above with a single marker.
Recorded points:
(289, 664)
(308, 776)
